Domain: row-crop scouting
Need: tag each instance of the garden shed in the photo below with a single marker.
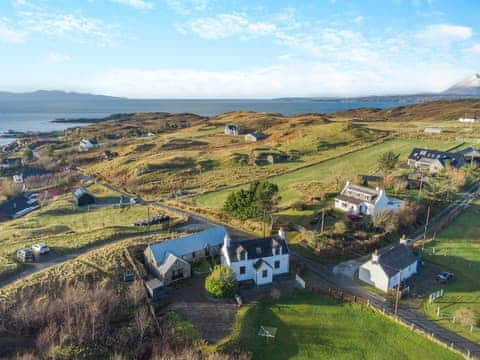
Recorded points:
(83, 197)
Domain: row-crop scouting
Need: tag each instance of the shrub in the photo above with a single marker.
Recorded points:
(466, 317)
(340, 227)
(221, 283)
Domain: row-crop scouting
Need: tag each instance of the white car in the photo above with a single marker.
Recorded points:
(41, 248)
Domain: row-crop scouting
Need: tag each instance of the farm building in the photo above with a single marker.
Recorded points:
(169, 260)
(386, 269)
(83, 197)
(361, 200)
(257, 259)
(433, 130)
(434, 161)
(255, 137)
(232, 130)
(470, 120)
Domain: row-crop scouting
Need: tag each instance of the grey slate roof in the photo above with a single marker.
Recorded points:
(81, 191)
(395, 258)
(256, 248)
(442, 156)
(188, 244)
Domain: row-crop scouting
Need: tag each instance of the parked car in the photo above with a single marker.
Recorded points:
(444, 276)
(25, 255)
(41, 248)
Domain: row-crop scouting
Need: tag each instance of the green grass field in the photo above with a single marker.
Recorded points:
(359, 162)
(64, 227)
(457, 249)
(310, 326)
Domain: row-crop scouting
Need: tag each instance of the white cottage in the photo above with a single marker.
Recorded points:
(87, 144)
(386, 269)
(257, 259)
(470, 120)
(361, 200)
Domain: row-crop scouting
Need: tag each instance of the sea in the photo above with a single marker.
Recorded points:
(15, 117)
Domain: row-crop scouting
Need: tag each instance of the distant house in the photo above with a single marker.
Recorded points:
(170, 260)
(232, 130)
(27, 173)
(433, 130)
(10, 163)
(470, 120)
(361, 200)
(18, 206)
(434, 161)
(257, 259)
(87, 144)
(386, 269)
(255, 137)
(83, 197)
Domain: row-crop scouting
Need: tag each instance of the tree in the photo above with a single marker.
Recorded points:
(385, 220)
(221, 283)
(27, 154)
(387, 161)
(253, 202)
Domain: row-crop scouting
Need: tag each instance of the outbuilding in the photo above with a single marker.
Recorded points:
(83, 197)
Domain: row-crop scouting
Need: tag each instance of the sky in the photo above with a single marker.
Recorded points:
(238, 48)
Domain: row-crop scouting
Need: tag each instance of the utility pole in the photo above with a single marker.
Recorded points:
(264, 223)
(323, 220)
(426, 223)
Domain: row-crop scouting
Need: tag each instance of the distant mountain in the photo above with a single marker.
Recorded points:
(469, 86)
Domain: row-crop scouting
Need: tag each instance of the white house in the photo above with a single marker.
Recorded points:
(232, 130)
(87, 144)
(386, 269)
(470, 120)
(433, 130)
(257, 259)
(361, 200)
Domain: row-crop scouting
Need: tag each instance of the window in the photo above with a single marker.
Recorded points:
(193, 255)
(276, 264)
(264, 273)
(242, 270)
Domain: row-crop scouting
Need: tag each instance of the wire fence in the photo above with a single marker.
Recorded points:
(407, 318)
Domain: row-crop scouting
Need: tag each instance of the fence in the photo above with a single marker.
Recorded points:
(342, 295)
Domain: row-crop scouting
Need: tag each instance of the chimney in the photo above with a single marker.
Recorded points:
(375, 257)
(281, 234)
(227, 240)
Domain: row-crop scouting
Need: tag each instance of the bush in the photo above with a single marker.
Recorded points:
(466, 317)
(221, 283)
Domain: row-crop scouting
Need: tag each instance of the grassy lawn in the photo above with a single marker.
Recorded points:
(64, 227)
(457, 249)
(315, 327)
(362, 161)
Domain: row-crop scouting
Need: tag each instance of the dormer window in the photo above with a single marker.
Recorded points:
(241, 253)
(259, 250)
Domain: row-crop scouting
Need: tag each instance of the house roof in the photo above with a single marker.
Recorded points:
(469, 152)
(422, 154)
(10, 207)
(232, 127)
(349, 199)
(257, 248)
(12, 161)
(258, 135)
(34, 172)
(259, 263)
(188, 244)
(363, 189)
(395, 258)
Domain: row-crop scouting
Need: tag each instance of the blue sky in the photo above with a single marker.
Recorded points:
(238, 49)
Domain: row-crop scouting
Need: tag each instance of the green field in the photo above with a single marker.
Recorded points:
(65, 227)
(310, 326)
(358, 162)
(457, 249)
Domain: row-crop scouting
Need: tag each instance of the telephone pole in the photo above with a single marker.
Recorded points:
(398, 294)
(426, 223)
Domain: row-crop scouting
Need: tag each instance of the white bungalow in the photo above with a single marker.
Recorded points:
(87, 144)
(257, 259)
(361, 200)
(386, 269)
(469, 120)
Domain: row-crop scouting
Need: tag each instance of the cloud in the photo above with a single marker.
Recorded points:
(74, 25)
(10, 35)
(54, 58)
(139, 4)
(288, 79)
(186, 7)
(475, 49)
(226, 25)
(443, 34)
